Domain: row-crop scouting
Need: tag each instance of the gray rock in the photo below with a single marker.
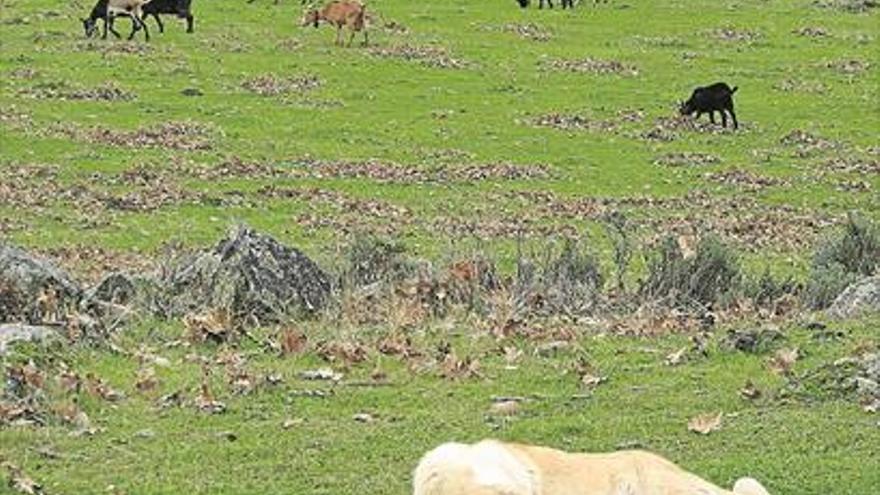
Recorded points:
(250, 274)
(25, 278)
(860, 298)
(19, 332)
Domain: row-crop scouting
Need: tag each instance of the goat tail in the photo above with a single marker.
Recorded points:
(732, 91)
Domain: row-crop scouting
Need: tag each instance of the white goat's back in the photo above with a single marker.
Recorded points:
(485, 468)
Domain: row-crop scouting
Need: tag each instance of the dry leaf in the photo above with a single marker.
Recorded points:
(146, 380)
(784, 359)
(291, 422)
(750, 391)
(363, 418)
(592, 381)
(321, 374)
(705, 423)
(292, 342)
(97, 387)
(21, 483)
(676, 357)
(505, 408)
(454, 368)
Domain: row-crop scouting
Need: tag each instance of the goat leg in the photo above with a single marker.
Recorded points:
(712, 116)
(733, 116)
(158, 22)
(189, 23)
(366, 38)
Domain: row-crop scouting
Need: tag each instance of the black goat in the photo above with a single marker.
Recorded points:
(153, 7)
(710, 99)
(180, 8)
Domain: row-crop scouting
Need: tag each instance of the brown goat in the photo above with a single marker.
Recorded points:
(341, 14)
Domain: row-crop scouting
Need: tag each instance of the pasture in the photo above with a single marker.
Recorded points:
(465, 126)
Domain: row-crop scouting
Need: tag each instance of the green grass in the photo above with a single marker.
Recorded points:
(404, 112)
(794, 444)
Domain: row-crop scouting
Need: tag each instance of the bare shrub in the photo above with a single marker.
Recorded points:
(707, 277)
(565, 280)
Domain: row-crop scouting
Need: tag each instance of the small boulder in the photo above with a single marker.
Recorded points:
(252, 276)
(860, 298)
(32, 289)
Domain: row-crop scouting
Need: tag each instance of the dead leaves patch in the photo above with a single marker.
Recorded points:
(591, 66)
(735, 35)
(529, 31)
(272, 85)
(686, 159)
(705, 424)
(848, 67)
(435, 57)
(107, 91)
(178, 135)
(745, 180)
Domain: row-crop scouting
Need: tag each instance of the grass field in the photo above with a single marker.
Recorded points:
(465, 122)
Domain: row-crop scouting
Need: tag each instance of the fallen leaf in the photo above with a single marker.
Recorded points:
(21, 483)
(676, 358)
(750, 391)
(363, 418)
(505, 408)
(591, 381)
(321, 374)
(705, 424)
(146, 380)
(784, 359)
(292, 342)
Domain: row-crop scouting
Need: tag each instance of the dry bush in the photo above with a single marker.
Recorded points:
(706, 277)
(841, 260)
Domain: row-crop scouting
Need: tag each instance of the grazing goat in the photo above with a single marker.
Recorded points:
(341, 14)
(710, 99)
(498, 468)
(180, 8)
(109, 9)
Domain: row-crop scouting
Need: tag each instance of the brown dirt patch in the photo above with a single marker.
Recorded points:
(848, 67)
(391, 172)
(25, 73)
(811, 32)
(592, 66)
(736, 35)
(430, 56)
(107, 91)
(271, 85)
(686, 159)
(528, 31)
(853, 186)
(801, 86)
(90, 263)
(670, 128)
(740, 219)
(744, 179)
(179, 135)
(574, 123)
(852, 166)
(807, 144)
(341, 202)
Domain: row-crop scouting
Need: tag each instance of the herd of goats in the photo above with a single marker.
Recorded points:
(352, 15)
